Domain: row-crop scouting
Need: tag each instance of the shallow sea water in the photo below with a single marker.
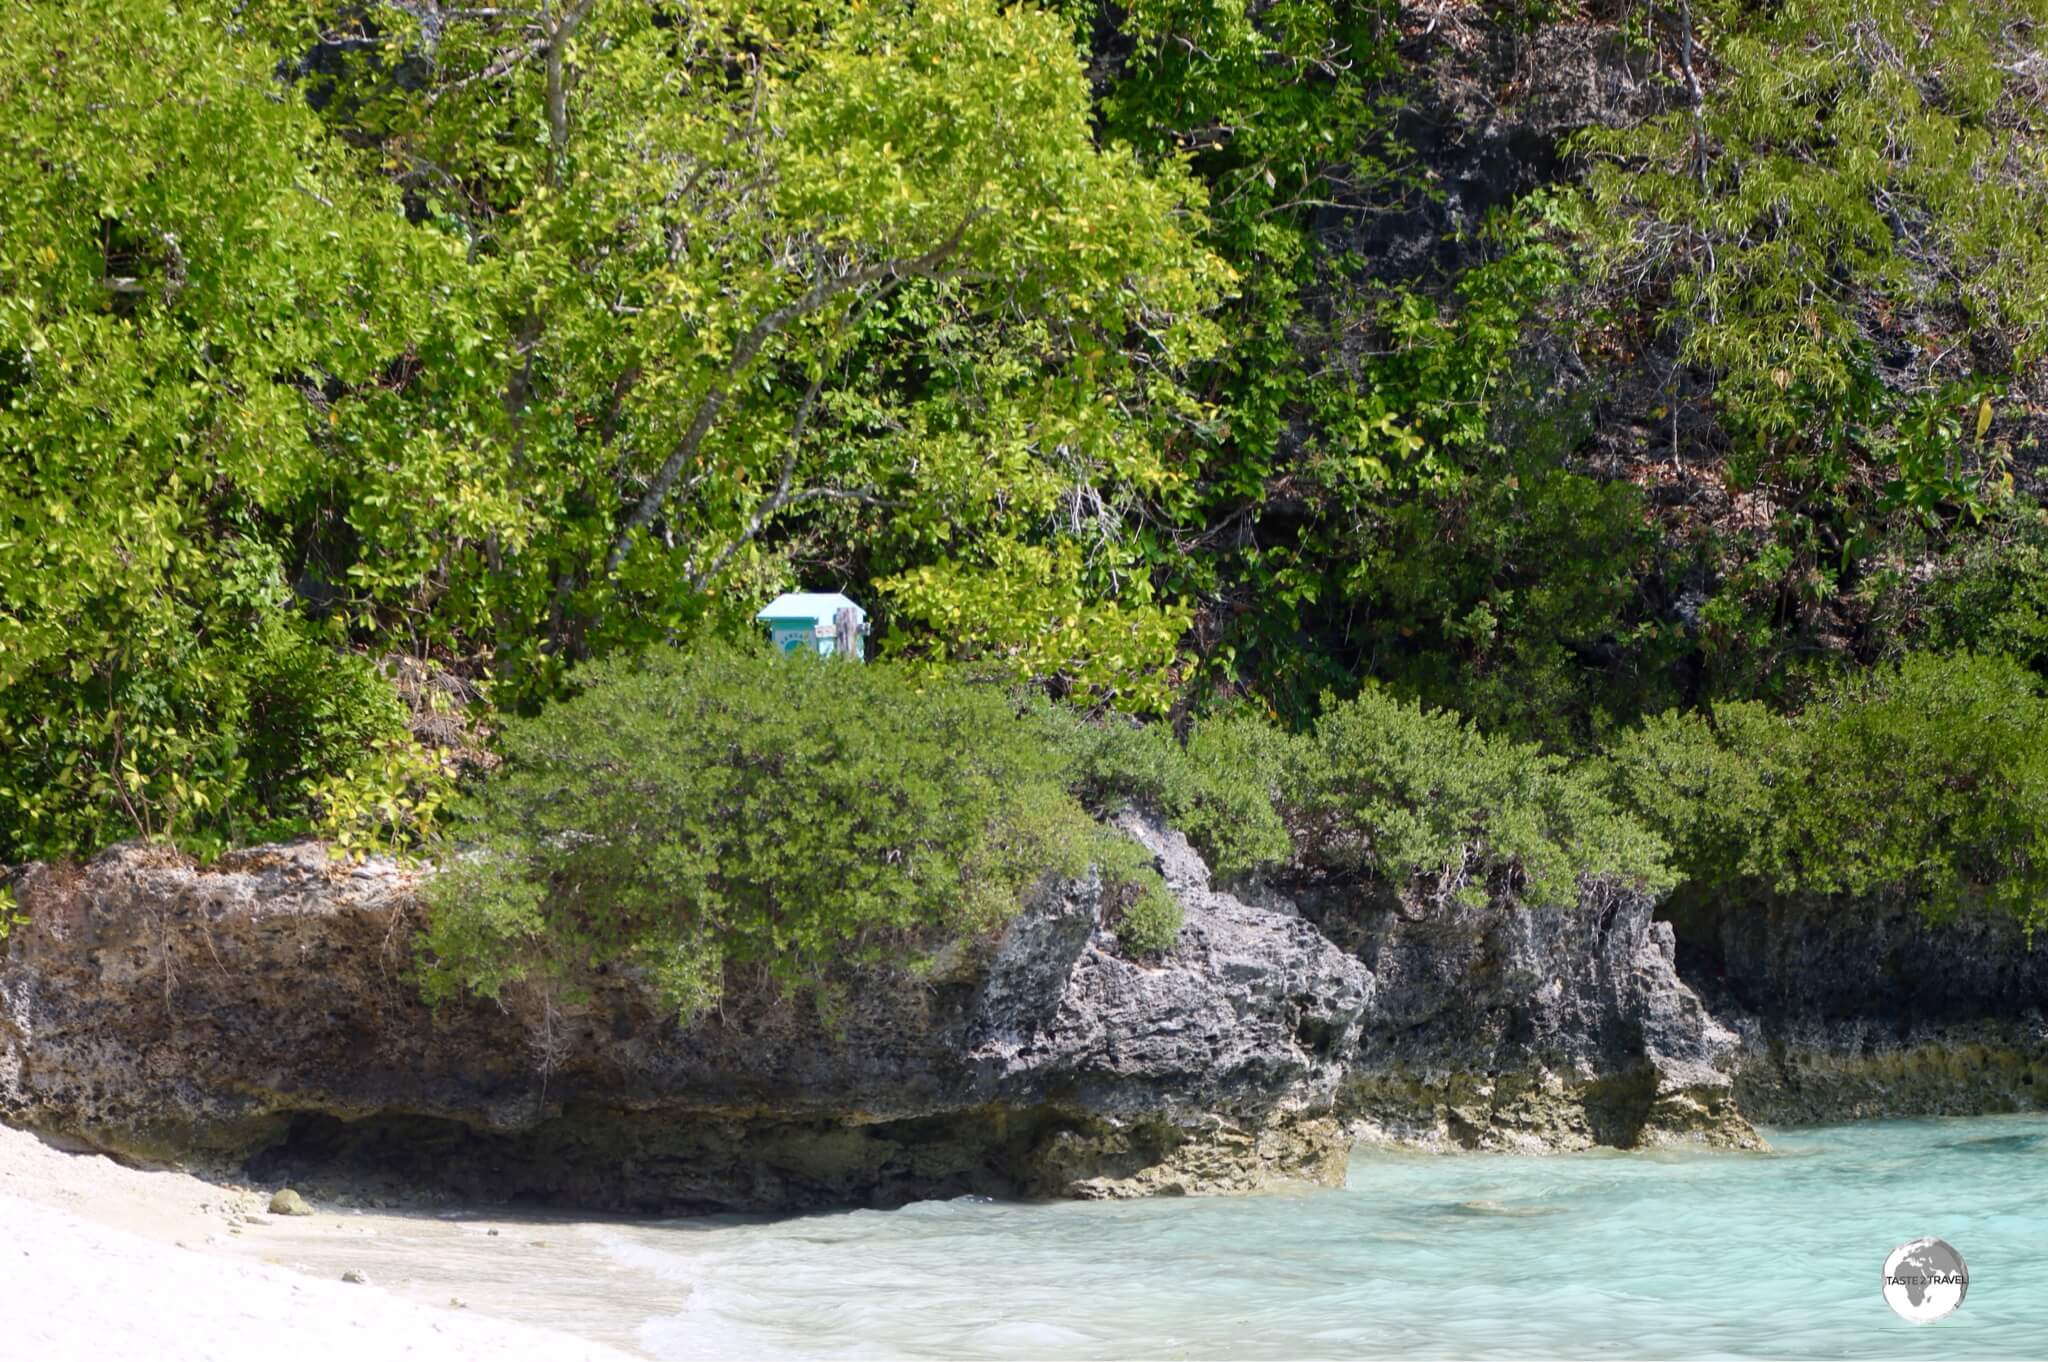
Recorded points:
(1659, 1255)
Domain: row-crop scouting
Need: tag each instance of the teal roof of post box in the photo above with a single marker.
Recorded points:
(817, 607)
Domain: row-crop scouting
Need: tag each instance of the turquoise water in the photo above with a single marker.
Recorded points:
(1623, 1255)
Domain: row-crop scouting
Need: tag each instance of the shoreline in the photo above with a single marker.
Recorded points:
(99, 1260)
(102, 1261)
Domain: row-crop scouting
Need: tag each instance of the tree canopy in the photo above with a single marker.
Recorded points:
(1446, 391)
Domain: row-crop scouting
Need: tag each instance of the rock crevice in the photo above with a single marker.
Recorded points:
(261, 1007)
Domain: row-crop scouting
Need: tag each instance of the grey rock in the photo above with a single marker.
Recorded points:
(1850, 1009)
(1507, 1026)
(258, 1010)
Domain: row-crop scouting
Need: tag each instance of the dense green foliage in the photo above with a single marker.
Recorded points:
(1840, 223)
(1424, 800)
(1928, 780)
(545, 358)
(1420, 800)
(694, 812)
(1859, 170)
(1219, 788)
(1339, 479)
(178, 252)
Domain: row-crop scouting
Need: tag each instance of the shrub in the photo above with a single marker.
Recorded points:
(1425, 801)
(1145, 917)
(1988, 596)
(1219, 789)
(1928, 779)
(1419, 799)
(1240, 763)
(1152, 923)
(1706, 784)
(266, 732)
(315, 720)
(1932, 778)
(709, 808)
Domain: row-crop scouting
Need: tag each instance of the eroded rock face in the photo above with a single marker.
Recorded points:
(1848, 1010)
(260, 1009)
(1509, 1027)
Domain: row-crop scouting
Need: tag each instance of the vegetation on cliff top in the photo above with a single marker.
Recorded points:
(698, 811)
(1927, 781)
(1188, 360)
(694, 812)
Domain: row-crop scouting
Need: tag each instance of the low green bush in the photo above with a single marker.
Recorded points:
(1145, 917)
(1220, 789)
(1419, 799)
(1927, 779)
(1151, 923)
(1241, 764)
(1425, 801)
(257, 727)
(1708, 786)
(694, 810)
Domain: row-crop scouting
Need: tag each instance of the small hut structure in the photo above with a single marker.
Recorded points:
(827, 623)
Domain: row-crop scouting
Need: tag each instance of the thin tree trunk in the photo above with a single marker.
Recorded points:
(558, 93)
(827, 288)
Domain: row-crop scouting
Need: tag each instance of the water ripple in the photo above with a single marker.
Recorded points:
(1666, 1255)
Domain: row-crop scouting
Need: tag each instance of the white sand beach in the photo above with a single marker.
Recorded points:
(101, 1261)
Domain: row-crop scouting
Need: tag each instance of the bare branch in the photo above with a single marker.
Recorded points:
(504, 62)
(823, 291)
(558, 95)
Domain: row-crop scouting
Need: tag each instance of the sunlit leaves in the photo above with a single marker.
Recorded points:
(194, 295)
(786, 815)
(1859, 176)
(521, 337)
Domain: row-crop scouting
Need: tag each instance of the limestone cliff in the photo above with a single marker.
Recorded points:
(1514, 1027)
(1848, 1010)
(260, 1008)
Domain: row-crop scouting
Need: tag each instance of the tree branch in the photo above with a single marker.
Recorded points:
(779, 498)
(827, 288)
(504, 62)
(558, 95)
(1695, 96)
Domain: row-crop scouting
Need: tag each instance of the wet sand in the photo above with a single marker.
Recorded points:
(102, 1261)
